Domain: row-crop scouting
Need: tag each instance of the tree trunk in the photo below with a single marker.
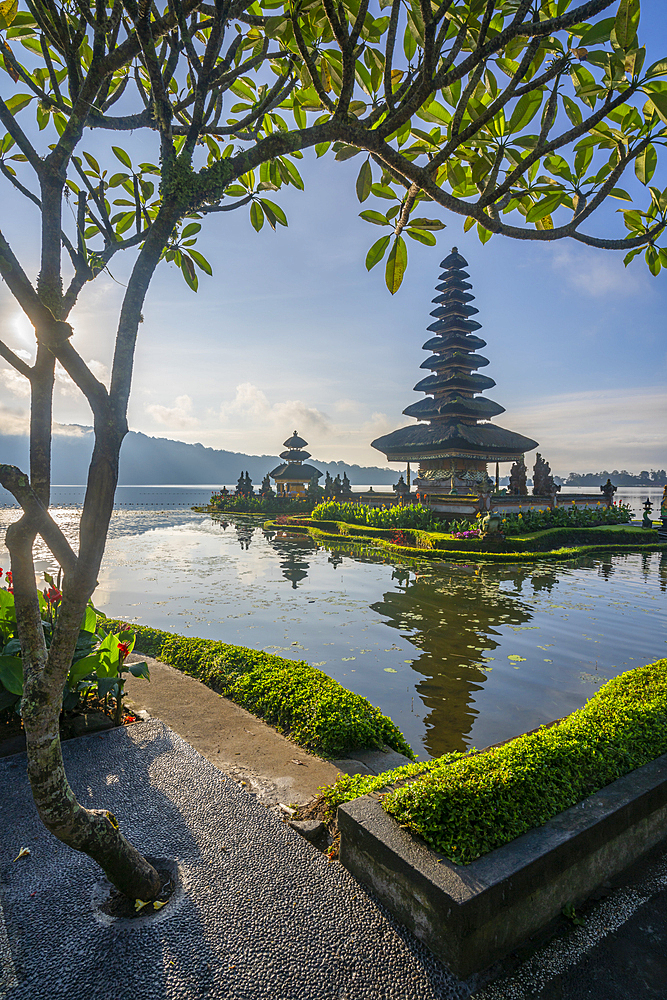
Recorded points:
(95, 832)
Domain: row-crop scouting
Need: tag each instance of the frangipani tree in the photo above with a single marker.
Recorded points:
(496, 111)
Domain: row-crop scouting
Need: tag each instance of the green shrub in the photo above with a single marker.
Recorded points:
(567, 516)
(399, 516)
(350, 786)
(259, 505)
(485, 800)
(302, 702)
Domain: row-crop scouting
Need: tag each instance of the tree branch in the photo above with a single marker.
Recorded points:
(17, 483)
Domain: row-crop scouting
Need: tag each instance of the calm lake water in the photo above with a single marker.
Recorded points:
(458, 655)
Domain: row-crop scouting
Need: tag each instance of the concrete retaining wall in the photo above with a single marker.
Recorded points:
(472, 915)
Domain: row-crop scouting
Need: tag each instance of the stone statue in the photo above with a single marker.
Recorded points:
(518, 474)
(608, 491)
(543, 481)
(646, 520)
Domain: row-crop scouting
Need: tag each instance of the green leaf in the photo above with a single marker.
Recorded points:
(201, 261)
(525, 110)
(11, 674)
(645, 164)
(598, 33)
(377, 252)
(421, 236)
(370, 216)
(321, 148)
(139, 670)
(8, 11)
(626, 22)
(620, 194)
(659, 101)
(630, 256)
(397, 261)
(293, 173)
(559, 166)
(652, 258)
(658, 68)
(190, 230)
(428, 224)
(364, 181)
(122, 156)
(483, 234)
(80, 669)
(189, 273)
(18, 102)
(89, 620)
(256, 216)
(544, 207)
(468, 224)
(346, 152)
(572, 110)
(274, 213)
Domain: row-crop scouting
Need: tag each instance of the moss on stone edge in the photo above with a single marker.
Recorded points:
(301, 702)
(483, 801)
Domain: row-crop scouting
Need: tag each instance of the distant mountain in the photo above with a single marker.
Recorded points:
(149, 461)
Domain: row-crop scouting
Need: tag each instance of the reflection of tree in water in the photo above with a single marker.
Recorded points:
(662, 572)
(453, 615)
(290, 549)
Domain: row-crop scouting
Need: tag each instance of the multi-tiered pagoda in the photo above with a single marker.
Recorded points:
(453, 442)
(293, 477)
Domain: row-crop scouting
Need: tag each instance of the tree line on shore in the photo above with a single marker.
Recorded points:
(656, 477)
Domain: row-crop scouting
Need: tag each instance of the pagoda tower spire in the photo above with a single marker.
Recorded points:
(457, 441)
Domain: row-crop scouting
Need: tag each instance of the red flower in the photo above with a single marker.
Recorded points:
(124, 649)
(0, 571)
(53, 595)
(9, 578)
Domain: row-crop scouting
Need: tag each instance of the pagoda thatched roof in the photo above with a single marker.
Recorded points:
(295, 472)
(484, 441)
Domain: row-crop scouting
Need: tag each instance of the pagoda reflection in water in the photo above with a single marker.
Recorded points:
(455, 617)
(290, 549)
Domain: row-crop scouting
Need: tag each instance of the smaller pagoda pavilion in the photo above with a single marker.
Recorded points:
(454, 440)
(293, 477)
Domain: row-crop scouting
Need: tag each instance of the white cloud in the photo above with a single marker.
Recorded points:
(252, 402)
(599, 274)
(178, 417)
(67, 387)
(14, 382)
(589, 431)
(13, 422)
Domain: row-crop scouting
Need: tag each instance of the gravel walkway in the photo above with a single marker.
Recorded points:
(260, 914)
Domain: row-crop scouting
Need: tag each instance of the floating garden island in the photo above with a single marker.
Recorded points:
(412, 531)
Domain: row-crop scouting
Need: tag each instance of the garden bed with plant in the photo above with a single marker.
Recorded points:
(465, 805)
(95, 682)
(300, 701)
(257, 505)
(534, 535)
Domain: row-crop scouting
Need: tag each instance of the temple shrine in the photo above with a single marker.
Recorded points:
(453, 440)
(293, 477)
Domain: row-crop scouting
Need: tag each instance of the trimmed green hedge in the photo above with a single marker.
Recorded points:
(554, 543)
(482, 801)
(302, 702)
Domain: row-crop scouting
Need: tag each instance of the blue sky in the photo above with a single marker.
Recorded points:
(292, 332)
